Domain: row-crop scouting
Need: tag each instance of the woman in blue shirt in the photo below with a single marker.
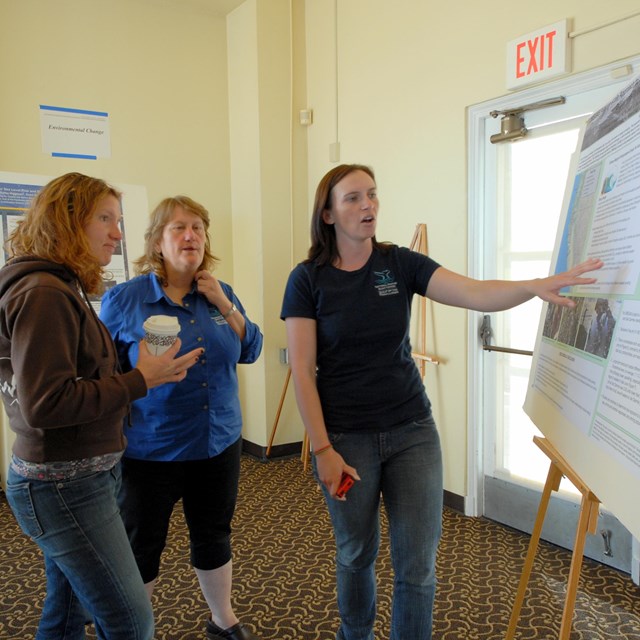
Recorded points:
(184, 442)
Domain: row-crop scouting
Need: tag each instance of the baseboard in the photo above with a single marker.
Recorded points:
(453, 501)
(277, 451)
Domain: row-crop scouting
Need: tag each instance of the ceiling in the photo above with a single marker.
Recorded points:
(218, 7)
(213, 6)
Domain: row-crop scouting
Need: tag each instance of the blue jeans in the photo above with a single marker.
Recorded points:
(90, 569)
(404, 466)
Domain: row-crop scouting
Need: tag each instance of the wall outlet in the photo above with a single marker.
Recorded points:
(306, 117)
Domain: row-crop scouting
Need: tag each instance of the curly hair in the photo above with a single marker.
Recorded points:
(153, 261)
(324, 247)
(53, 227)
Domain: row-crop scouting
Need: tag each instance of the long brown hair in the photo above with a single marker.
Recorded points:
(53, 227)
(324, 247)
(152, 261)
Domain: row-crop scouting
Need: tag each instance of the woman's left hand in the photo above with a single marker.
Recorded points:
(210, 288)
(548, 288)
(456, 290)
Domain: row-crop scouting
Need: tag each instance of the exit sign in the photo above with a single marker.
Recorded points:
(539, 55)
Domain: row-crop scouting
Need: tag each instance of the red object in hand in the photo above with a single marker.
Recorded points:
(346, 482)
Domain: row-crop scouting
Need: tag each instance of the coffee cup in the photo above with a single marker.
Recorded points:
(160, 332)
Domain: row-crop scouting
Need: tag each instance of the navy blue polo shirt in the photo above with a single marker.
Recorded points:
(366, 377)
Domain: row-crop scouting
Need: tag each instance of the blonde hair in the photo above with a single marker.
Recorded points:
(53, 227)
(152, 261)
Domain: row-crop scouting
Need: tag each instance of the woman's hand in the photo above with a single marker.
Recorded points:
(548, 288)
(210, 288)
(158, 370)
(331, 466)
(456, 290)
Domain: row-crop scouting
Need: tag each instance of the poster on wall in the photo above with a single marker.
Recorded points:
(75, 133)
(584, 385)
(16, 193)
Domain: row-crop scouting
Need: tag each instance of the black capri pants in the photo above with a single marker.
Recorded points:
(209, 491)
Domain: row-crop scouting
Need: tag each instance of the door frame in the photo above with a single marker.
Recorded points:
(478, 120)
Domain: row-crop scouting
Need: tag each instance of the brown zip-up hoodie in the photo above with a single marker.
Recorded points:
(59, 377)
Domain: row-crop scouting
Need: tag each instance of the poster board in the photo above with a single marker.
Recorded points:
(18, 189)
(584, 385)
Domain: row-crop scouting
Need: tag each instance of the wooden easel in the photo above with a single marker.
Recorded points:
(418, 243)
(587, 523)
(304, 455)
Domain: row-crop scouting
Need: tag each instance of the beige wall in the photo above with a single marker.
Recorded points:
(263, 141)
(183, 120)
(160, 71)
(407, 71)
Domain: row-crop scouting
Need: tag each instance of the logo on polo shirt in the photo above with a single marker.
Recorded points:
(385, 283)
(215, 315)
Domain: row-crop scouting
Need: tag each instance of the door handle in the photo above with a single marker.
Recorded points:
(485, 336)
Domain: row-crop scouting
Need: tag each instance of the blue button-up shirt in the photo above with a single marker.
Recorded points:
(199, 417)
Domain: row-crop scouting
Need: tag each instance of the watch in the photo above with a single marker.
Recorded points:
(230, 312)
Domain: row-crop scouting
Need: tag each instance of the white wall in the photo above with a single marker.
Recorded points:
(160, 71)
(244, 126)
(265, 146)
(407, 71)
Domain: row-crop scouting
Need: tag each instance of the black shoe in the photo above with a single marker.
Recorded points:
(237, 632)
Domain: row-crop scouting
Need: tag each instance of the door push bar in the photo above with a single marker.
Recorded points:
(485, 336)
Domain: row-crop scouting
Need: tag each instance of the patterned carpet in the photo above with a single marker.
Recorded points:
(284, 577)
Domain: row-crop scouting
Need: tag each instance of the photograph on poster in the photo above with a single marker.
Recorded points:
(584, 386)
(588, 326)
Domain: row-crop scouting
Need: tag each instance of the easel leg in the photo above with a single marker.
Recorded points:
(552, 484)
(587, 523)
(275, 422)
(304, 454)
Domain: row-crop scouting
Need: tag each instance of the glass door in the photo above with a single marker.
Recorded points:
(527, 220)
(520, 186)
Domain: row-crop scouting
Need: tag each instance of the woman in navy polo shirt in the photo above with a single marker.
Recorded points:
(347, 309)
